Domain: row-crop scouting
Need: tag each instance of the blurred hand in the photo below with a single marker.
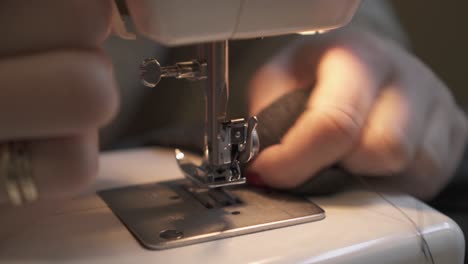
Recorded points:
(375, 109)
(56, 87)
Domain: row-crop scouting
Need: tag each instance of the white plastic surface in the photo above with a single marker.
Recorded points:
(177, 22)
(360, 227)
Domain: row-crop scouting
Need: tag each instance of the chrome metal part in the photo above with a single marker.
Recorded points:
(203, 176)
(216, 99)
(228, 143)
(174, 213)
(252, 143)
(151, 71)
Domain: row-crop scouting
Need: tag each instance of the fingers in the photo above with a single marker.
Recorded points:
(435, 161)
(270, 83)
(348, 80)
(55, 94)
(414, 167)
(392, 134)
(62, 166)
(294, 68)
(56, 86)
(442, 149)
(27, 26)
(374, 108)
(415, 133)
(430, 168)
(458, 139)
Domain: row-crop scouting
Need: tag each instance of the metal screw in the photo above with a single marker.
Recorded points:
(171, 234)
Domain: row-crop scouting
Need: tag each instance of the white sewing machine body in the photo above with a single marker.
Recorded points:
(360, 227)
(178, 22)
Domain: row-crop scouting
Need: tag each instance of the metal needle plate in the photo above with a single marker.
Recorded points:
(166, 214)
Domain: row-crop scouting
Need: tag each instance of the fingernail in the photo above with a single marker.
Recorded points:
(255, 179)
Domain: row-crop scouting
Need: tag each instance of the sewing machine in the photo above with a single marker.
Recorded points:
(211, 201)
(208, 195)
(212, 204)
(228, 143)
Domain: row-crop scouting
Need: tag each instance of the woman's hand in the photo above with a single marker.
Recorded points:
(375, 109)
(56, 87)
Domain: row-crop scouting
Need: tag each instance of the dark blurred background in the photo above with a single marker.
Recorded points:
(438, 31)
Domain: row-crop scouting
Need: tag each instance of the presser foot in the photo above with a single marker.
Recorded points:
(238, 144)
(204, 176)
(177, 213)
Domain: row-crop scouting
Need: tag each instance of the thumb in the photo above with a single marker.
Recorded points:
(295, 67)
(274, 80)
